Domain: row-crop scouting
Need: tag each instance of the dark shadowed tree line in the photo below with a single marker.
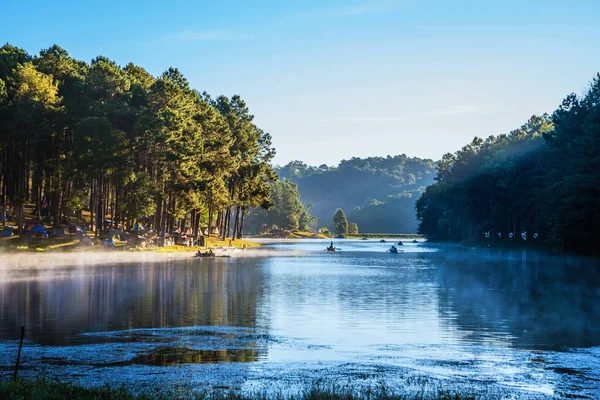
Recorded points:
(538, 183)
(127, 145)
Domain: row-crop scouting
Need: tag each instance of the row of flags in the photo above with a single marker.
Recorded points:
(511, 235)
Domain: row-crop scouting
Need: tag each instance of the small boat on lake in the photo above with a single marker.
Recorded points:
(210, 254)
(332, 248)
(394, 250)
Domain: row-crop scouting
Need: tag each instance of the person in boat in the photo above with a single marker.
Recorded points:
(393, 249)
(208, 253)
(331, 248)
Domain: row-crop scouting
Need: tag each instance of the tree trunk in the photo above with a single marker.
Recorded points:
(105, 200)
(193, 227)
(219, 222)
(99, 206)
(172, 205)
(163, 223)
(197, 225)
(116, 212)
(210, 218)
(158, 216)
(237, 222)
(54, 207)
(95, 208)
(239, 236)
(222, 215)
(227, 224)
(183, 223)
(20, 216)
(92, 205)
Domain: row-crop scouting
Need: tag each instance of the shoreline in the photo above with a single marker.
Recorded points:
(70, 244)
(310, 235)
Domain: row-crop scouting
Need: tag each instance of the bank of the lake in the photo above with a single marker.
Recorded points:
(401, 236)
(71, 243)
(293, 234)
(313, 235)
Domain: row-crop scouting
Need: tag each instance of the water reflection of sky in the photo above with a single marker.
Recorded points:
(481, 311)
(424, 296)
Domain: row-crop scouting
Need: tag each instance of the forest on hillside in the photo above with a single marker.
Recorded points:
(377, 193)
(539, 183)
(129, 147)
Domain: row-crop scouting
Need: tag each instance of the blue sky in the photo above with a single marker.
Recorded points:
(336, 79)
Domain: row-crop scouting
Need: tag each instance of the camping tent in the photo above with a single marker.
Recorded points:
(39, 229)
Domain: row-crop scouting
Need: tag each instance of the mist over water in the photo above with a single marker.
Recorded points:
(519, 320)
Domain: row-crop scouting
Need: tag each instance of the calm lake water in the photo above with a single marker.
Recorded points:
(443, 317)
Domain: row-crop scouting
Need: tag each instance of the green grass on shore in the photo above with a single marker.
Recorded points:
(44, 389)
(24, 243)
(71, 243)
(210, 242)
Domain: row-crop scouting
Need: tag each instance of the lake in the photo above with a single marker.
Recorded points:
(290, 315)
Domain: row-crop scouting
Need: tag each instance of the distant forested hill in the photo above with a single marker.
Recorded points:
(378, 193)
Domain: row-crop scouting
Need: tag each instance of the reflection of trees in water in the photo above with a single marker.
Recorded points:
(528, 299)
(171, 356)
(128, 296)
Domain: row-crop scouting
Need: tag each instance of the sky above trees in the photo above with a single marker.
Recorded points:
(335, 79)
